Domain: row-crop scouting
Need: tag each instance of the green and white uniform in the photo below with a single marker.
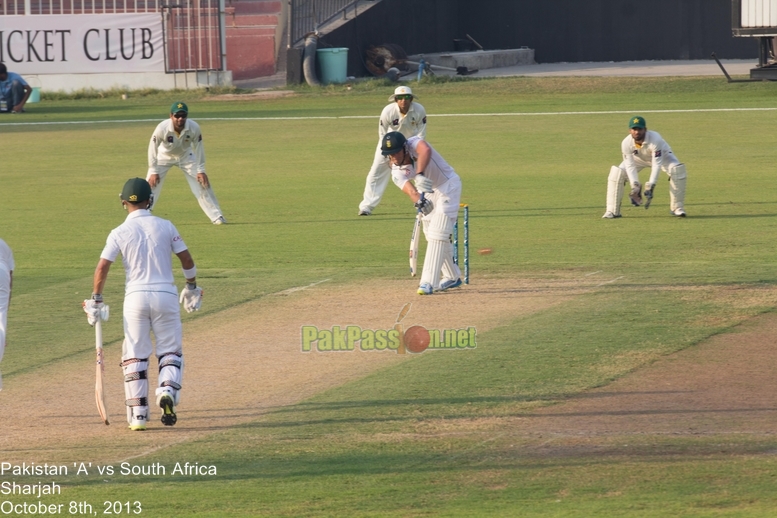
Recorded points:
(167, 149)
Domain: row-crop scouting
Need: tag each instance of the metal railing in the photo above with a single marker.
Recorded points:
(193, 29)
(31, 7)
(308, 15)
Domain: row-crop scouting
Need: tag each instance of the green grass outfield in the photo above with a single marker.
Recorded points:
(533, 155)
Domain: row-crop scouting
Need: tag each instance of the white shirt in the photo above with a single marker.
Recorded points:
(168, 147)
(146, 244)
(6, 257)
(410, 124)
(444, 178)
(654, 153)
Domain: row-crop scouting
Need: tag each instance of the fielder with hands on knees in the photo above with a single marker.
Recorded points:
(641, 149)
(404, 115)
(146, 244)
(14, 91)
(6, 283)
(178, 141)
(436, 193)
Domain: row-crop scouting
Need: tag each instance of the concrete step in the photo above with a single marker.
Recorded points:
(478, 59)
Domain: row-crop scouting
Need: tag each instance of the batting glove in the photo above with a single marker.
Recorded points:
(423, 183)
(191, 297)
(95, 310)
(424, 206)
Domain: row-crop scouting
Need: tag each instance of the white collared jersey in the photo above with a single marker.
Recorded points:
(411, 124)
(444, 178)
(146, 244)
(168, 147)
(654, 153)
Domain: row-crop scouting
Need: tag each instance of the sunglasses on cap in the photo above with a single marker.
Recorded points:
(404, 97)
(180, 115)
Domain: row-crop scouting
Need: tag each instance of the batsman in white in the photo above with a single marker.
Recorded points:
(641, 149)
(146, 244)
(6, 281)
(178, 141)
(436, 193)
(405, 116)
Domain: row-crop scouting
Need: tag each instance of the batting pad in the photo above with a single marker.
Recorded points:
(450, 270)
(438, 226)
(435, 255)
(136, 387)
(615, 183)
(170, 375)
(677, 179)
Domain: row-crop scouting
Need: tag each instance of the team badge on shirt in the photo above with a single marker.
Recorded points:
(635, 152)
(170, 139)
(395, 122)
(658, 153)
(424, 120)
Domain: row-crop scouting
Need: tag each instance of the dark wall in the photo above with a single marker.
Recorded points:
(557, 30)
(418, 26)
(607, 30)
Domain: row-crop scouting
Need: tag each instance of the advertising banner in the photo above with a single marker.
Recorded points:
(82, 43)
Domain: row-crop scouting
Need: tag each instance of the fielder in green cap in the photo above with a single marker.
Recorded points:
(179, 106)
(178, 142)
(645, 149)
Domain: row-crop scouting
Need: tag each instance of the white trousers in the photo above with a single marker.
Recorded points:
(5, 298)
(205, 197)
(438, 228)
(377, 180)
(147, 312)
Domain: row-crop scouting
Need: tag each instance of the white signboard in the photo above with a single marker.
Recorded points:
(82, 44)
(759, 13)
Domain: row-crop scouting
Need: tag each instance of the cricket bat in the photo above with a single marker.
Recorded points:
(414, 240)
(99, 394)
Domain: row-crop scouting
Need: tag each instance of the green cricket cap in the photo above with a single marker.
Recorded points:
(136, 190)
(179, 106)
(637, 122)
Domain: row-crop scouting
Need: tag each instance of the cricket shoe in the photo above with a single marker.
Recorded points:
(680, 213)
(165, 402)
(137, 425)
(425, 289)
(449, 284)
(610, 215)
(221, 220)
(365, 212)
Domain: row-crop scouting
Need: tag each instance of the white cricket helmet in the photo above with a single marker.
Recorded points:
(401, 90)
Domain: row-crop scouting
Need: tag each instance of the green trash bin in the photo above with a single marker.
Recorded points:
(35, 94)
(332, 64)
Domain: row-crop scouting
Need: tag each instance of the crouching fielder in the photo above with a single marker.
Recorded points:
(146, 244)
(436, 193)
(641, 149)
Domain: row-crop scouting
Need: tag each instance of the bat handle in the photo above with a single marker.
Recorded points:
(98, 333)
